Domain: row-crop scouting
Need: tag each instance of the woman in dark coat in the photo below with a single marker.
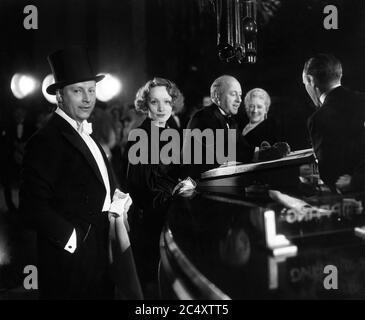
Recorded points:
(260, 128)
(151, 185)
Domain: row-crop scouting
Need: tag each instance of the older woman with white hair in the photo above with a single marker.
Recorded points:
(257, 103)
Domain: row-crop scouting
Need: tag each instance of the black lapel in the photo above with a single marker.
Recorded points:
(112, 182)
(74, 138)
(220, 117)
(223, 122)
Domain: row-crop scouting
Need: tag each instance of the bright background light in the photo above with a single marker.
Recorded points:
(48, 80)
(108, 88)
(23, 85)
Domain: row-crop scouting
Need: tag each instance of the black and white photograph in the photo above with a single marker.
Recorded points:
(163, 151)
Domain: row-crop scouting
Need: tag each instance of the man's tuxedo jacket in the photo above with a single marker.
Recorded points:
(211, 118)
(62, 189)
(338, 134)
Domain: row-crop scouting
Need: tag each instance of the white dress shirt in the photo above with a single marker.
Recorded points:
(95, 151)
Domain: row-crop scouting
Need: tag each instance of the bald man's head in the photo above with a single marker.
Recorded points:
(226, 93)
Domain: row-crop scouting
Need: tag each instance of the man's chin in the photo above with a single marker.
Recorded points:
(86, 113)
(82, 117)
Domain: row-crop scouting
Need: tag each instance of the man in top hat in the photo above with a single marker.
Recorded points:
(67, 188)
(337, 127)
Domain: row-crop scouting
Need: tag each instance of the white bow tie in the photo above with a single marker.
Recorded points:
(85, 127)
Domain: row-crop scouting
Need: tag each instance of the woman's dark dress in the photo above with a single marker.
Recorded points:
(151, 187)
(265, 131)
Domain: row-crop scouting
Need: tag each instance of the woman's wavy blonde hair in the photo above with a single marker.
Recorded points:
(142, 95)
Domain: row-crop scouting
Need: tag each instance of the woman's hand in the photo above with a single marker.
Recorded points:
(184, 185)
(343, 183)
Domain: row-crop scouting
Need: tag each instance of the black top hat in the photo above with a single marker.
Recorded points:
(69, 66)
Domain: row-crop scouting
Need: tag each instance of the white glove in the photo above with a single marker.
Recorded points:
(120, 205)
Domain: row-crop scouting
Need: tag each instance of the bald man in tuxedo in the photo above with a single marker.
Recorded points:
(226, 94)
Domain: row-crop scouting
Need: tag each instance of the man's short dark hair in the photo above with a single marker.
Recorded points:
(324, 68)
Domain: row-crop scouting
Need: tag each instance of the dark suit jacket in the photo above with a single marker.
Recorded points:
(210, 117)
(338, 134)
(62, 189)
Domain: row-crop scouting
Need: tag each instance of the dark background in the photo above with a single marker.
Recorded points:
(176, 39)
(139, 39)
